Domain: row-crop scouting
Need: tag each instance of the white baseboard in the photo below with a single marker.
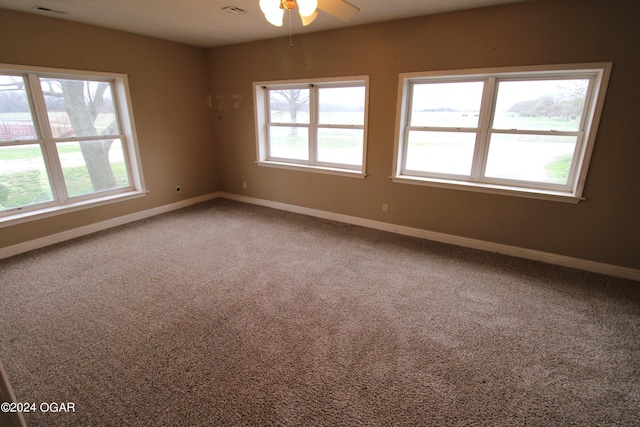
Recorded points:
(99, 226)
(547, 257)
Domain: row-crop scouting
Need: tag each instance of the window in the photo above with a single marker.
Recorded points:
(521, 131)
(317, 125)
(66, 141)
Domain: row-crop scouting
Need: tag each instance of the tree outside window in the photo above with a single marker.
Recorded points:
(60, 140)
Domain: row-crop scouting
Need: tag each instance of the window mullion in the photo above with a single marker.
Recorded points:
(535, 132)
(403, 149)
(267, 123)
(406, 126)
(574, 161)
(575, 172)
(313, 124)
(50, 152)
(484, 134)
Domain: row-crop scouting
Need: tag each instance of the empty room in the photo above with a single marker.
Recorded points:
(301, 213)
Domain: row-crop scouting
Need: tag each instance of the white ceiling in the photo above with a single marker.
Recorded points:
(204, 23)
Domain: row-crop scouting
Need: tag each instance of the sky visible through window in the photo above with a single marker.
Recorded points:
(465, 96)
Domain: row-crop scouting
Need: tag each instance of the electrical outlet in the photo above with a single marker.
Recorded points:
(385, 208)
(178, 189)
(244, 185)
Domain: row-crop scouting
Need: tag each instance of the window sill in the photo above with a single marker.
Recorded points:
(310, 168)
(49, 211)
(556, 196)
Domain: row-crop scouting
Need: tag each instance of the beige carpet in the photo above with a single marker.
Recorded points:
(231, 314)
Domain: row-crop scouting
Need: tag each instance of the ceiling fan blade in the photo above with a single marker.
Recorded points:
(339, 8)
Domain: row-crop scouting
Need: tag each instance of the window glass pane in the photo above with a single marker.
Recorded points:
(91, 166)
(540, 104)
(440, 152)
(340, 146)
(79, 107)
(16, 121)
(536, 158)
(23, 177)
(289, 142)
(343, 105)
(446, 104)
(289, 106)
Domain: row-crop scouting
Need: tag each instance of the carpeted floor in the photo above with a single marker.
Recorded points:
(232, 314)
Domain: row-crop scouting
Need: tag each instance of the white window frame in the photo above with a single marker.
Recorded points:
(262, 125)
(598, 73)
(61, 202)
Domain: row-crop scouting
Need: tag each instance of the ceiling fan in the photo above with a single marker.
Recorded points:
(308, 9)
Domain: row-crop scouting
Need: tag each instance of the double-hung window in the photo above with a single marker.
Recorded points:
(314, 125)
(67, 141)
(521, 131)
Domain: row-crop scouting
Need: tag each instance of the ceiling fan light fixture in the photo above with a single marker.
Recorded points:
(306, 20)
(273, 11)
(269, 6)
(289, 4)
(275, 18)
(307, 8)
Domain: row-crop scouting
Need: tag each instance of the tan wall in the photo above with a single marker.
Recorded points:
(169, 89)
(604, 228)
(169, 86)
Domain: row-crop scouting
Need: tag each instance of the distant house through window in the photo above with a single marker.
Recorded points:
(66, 140)
(523, 131)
